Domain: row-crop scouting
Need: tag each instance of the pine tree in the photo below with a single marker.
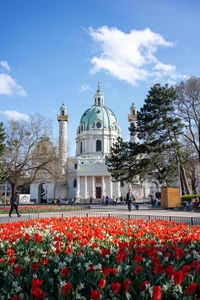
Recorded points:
(2, 150)
(158, 149)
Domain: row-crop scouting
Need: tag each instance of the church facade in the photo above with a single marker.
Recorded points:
(85, 175)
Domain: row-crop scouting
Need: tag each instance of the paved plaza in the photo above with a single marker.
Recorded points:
(145, 211)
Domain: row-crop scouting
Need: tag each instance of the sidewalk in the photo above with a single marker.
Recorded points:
(144, 211)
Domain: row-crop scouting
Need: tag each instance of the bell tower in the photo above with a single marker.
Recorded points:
(132, 118)
(62, 118)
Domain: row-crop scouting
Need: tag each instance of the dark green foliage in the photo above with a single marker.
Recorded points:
(158, 150)
(2, 139)
(185, 198)
(2, 150)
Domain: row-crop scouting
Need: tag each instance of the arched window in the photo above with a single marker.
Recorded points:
(98, 145)
(74, 183)
(99, 101)
(81, 148)
(63, 113)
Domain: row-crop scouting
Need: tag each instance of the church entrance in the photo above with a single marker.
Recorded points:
(42, 193)
(98, 192)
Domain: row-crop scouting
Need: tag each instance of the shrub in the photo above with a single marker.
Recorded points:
(185, 198)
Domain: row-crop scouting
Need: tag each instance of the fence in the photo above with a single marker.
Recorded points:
(187, 220)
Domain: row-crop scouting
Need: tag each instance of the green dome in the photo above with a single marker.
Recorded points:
(98, 113)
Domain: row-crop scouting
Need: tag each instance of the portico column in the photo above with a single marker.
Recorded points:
(103, 186)
(85, 187)
(118, 190)
(111, 187)
(93, 187)
(78, 187)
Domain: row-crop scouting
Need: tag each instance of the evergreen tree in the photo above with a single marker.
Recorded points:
(158, 150)
(2, 150)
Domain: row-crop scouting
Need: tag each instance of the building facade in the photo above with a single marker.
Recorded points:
(85, 176)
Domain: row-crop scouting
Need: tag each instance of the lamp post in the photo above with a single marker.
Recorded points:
(5, 193)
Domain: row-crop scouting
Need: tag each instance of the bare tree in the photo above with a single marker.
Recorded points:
(24, 159)
(190, 165)
(188, 108)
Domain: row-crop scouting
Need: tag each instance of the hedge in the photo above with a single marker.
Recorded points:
(185, 198)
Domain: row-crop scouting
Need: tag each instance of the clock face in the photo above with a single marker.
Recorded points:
(98, 124)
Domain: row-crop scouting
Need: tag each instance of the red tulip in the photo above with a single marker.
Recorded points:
(170, 271)
(107, 271)
(12, 260)
(178, 277)
(138, 259)
(17, 270)
(36, 283)
(157, 292)
(116, 286)
(127, 284)
(66, 289)
(143, 285)
(44, 261)
(37, 292)
(102, 283)
(95, 295)
(65, 272)
(191, 289)
(186, 270)
(138, 270)
(35, 266)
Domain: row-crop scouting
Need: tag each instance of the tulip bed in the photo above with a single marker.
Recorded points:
(40, 209)
(99, 258)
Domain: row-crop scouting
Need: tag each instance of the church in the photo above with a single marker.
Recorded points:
(85, 176)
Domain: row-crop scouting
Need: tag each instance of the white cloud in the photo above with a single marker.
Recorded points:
(9, 86)
(84, 87)
(5, 65)
(130, 56)
(15, 115)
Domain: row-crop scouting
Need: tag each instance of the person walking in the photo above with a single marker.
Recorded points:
(152, 200)
(59, 201)
(114, 201)
(14, 204)
(129, 199)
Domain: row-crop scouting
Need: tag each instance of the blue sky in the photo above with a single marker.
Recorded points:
(56, 51)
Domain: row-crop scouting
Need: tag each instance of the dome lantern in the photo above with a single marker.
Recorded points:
(99, 97)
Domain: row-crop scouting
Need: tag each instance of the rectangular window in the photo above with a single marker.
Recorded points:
(98, 145)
